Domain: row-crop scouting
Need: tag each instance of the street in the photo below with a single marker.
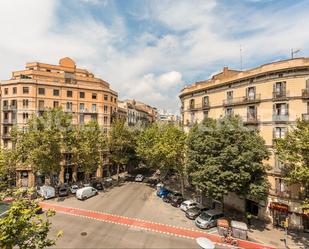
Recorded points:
(126, 216)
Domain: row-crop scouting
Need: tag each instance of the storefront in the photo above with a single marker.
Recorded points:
(306, 219)
(279, 212)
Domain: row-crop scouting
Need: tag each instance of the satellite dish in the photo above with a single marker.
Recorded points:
(205, 243)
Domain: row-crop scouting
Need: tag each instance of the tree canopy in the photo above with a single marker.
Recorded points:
(224, 156)
(293, 151)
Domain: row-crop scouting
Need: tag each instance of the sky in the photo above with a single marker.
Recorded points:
(150, 49)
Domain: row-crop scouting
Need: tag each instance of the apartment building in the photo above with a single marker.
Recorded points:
(138, 112)
(168, 118)
(269, 98)
(42, 86)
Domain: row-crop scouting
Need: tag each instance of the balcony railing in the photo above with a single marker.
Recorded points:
(277, 95)
(9, 108)
(251, 119)
(305, 93)
(287, 194)
(199, 106)
(280, 117)
(6, 136)
(305, 116)
(242, 100)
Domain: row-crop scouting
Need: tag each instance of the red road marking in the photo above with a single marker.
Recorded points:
(178, 231)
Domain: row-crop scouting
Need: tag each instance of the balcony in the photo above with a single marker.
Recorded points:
(305, 116)
(9, 108)
(6, 136)
(280, 118)
(242, 100)
(87, 111)
(9, 122)
(280, 95)
(305, 93)
(287, 194)
(251, 119)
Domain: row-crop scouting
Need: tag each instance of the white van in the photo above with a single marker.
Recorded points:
(85, 192)
(47, 192)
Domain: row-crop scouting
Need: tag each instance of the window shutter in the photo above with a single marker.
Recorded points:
(287, 109)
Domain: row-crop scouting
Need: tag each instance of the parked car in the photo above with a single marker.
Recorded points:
(97, 185)
(108, 182)
(63, 191)
(163, 192)
(194, 212)
(139, 178)
(73, 189)
(176, 201)
(208, 219)
(168, 198)
(85, 193)
(188, 204)
(47, 192)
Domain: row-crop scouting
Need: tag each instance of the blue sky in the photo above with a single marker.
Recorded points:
(150, 49)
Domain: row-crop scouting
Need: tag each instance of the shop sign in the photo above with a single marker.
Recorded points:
(306, 211)
(279, 206)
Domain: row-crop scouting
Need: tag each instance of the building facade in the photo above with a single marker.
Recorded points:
(42, 86)
(269, 98)
(138, 112)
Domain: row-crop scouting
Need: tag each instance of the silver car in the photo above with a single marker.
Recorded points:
(208, 219)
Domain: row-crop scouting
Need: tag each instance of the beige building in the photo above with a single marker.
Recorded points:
(41, 86)
(138, 111)
(269, 98)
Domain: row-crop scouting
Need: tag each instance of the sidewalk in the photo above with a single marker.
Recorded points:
(266, 233)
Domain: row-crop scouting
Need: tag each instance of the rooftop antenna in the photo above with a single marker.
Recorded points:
(240, 54)
(293, 53)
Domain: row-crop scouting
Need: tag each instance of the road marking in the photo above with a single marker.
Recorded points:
(146, 225)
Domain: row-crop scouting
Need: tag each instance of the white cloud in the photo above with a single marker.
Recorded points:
(199, 38)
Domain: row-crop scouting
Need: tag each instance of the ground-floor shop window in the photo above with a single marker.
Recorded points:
(280, 213)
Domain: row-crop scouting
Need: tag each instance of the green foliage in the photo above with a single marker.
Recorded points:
(8, 161)
(293, 150)
(41, 144)
(224, 156)
(24, 227)
(121, 144)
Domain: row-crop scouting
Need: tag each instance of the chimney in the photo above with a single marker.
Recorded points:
(225, 70)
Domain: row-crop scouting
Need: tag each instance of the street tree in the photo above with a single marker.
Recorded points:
(163, 147)
(40, 144)
(121, 144)
(8, 162)
(293, 151)
(224, 156)
(23, 227)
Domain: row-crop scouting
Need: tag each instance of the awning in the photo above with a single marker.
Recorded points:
(279, 206)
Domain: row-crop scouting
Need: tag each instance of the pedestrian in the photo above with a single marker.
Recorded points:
(249, 217)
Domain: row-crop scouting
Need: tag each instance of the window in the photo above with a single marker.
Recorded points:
(56, 104)
(5, 104)
(229, 96)
(206, 101)
(6, 116)
(229, 111)
(105, 109)
(115, 99)
(281, 109)
(41, 91)
(25, 116)
(94, 107)
(14, 90)
(94, 96)
(14, 103)
(280, 132)
(48, 70)
(69, 94)
(251, 111)
(82, 95)
(69, 106)
(14, 117)
(93, 117)
(192, 103)
(111, 98)
(25, 103)
(205, 113)
(56, 92)
(6, 91)
(251, 93)
(81, 118)
(105, 97)
(25, 90)
(279, 89)
(105, 119)
(41, 104)
(81, 106)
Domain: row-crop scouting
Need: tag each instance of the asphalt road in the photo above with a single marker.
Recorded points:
(131, 200)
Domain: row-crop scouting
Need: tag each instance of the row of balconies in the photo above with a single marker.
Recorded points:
(278, 95)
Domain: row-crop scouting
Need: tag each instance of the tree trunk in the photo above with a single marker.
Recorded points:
(118, 168)
(182, 184)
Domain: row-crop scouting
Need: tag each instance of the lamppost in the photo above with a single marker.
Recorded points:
(293, 53)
